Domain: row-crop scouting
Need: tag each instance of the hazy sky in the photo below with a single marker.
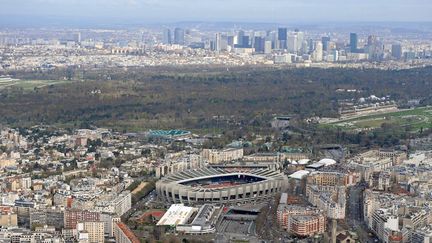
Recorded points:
(226, 10)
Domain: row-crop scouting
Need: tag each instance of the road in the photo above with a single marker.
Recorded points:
(354, 214)
(143, 203)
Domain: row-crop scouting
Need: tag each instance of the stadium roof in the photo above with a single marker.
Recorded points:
(206, 173)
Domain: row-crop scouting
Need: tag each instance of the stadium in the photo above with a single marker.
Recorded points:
(219, 186)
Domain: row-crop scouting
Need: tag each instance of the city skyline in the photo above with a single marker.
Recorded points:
(141, 121)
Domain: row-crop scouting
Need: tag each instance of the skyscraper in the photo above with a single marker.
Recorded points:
(167, 40)
(325, 41)
(353, 42)
(245, 41)
(305, 47)
(300, 38)
(218, 42)
(335, 55)
(318, 52)
(374, 48)
(282, 38)
(282, 34)
(268, 47)
(292, 43)
(179, 36)
(240, 36)
(311, 45)
(242, 40)
(230, 41)
(397, 51)
(259, 44)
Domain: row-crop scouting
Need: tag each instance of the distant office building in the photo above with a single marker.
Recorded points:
(397, 51)
(282, 38)
(245, 42)
(179, 36)
(242, 40)
(230, 40)
(240, 36)
(267, 47)
(311, 45)
(335, 55)
(292, 43)
(282, 34)
(374, 48)
(318, 52)
(167, 39)
(259, 44)
(304, 47)
(251, 39)
(325, 42)
(300, 38)
(353, 42)
(218, 42)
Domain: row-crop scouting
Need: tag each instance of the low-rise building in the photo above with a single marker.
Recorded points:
(123, 234)
(300, 220)
(214, 156)
(176, 214)
(330, 199)
(204, 222)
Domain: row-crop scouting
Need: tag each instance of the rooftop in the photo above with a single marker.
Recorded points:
(132, 237)
(176, 214)
(299, 174)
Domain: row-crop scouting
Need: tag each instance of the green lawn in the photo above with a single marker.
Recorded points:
(415, 118)
(28, 85)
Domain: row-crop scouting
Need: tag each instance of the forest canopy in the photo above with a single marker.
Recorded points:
(139, 99)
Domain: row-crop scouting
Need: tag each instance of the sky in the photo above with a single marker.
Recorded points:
(222, 10)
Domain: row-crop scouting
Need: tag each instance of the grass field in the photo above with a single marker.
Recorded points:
(139, 188)
(27, 85)
(414, 118)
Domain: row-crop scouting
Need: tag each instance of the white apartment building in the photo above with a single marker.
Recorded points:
(214, 156)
